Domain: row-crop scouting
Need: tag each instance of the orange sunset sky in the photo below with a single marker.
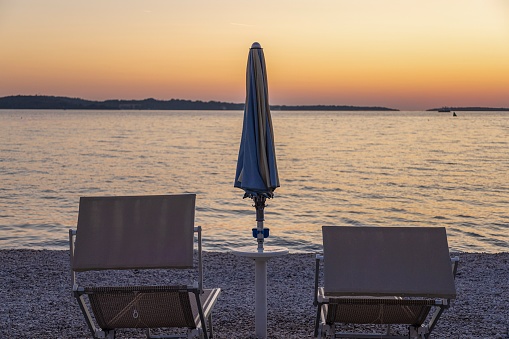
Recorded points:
(403, 54)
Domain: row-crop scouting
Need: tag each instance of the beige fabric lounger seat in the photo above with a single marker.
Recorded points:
(383, 276)
(141, 232)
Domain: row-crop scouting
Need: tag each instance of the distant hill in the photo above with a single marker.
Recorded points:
(53, 102)
(473, 109)
(330, 108)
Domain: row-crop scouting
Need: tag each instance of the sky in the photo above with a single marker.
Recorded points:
(404, 54)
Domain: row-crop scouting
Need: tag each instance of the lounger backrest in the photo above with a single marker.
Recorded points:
(135, 232)
(387, 261)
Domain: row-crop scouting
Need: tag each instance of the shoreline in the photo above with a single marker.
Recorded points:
(36, 299)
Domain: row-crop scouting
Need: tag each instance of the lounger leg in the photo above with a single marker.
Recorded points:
(324, 331)
(211, 331)
(317, 321)
(418, 332)
(86, 313)
(203, 330)
(434, 319)
(195, 333)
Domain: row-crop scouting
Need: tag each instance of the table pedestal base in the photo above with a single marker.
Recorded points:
(260, 258)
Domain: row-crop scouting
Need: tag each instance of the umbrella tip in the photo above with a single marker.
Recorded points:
(256, 45)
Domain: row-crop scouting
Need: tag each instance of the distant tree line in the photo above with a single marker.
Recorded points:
(473, 109)
(54, 102)
(329, 108)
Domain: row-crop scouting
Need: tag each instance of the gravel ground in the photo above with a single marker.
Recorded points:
(36, 299)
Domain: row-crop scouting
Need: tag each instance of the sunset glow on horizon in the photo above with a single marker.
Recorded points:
(392, 53)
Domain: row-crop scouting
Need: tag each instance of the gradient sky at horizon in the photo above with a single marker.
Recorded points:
(409, 55)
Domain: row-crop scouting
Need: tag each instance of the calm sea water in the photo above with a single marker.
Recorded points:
(336, 168)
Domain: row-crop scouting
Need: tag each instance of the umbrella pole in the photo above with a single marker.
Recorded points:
(260, 273)
(260, 206)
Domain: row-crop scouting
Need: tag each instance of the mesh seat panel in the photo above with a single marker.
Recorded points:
(141, 306)
(379, 311)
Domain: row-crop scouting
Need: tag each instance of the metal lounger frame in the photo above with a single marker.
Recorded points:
(322, 303)
(79, 293)
(327, 304)
(184, 298)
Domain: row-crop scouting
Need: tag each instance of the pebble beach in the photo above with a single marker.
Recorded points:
(36, 299)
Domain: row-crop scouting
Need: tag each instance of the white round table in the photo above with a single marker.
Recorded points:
(260, 257)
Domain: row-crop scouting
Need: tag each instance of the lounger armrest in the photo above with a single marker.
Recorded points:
(72, 235)
(454, 262)
(197, 229)
(321, 298)
(319, 257)
(207, 307)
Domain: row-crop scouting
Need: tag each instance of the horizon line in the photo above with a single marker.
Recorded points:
(451, 108)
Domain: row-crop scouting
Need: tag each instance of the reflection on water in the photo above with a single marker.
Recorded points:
(336, 168)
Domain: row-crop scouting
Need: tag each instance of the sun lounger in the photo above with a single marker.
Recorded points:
(140, 233)
(383, 276)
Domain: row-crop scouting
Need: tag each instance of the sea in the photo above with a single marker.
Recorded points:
(336, 168)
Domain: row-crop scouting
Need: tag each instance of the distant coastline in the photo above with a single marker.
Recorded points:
(472, 109)
(53, 102)
(56, 102)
